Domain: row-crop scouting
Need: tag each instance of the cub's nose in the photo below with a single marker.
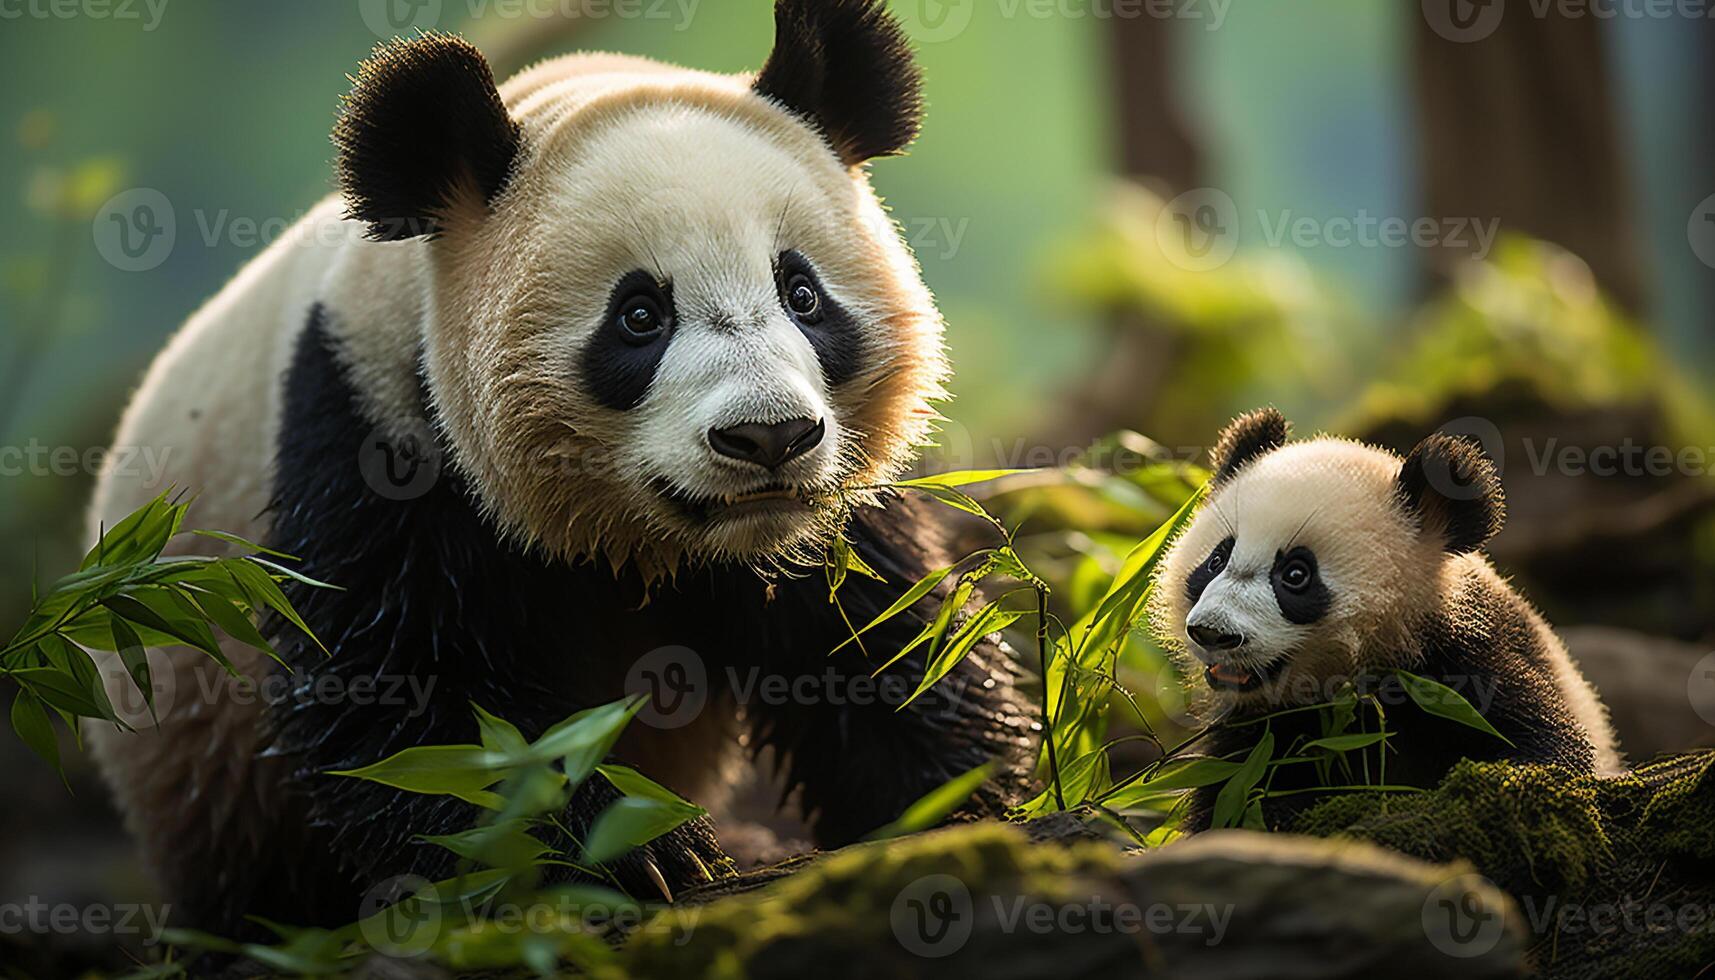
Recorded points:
(1213, 639)
(768, 444)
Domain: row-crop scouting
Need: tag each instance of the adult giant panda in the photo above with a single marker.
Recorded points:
(656, 335)
(1325, 562)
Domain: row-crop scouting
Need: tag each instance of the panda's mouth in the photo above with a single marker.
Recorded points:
(770, 498)
(1234, 677)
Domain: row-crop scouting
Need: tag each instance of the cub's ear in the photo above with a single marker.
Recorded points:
(1454, 491)
(845, 67)
(1247, 437)
(422, 132)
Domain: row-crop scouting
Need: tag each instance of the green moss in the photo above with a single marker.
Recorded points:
(1581, 846)
(845, 903)
(1526, 827)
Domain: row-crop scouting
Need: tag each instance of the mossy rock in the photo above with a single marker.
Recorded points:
(984, 900)
(1616, 875)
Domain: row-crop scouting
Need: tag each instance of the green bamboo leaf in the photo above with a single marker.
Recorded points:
(59, 689)
(135, 657)
(633, 783)
(584, 740)
(464, 771)
(76, 662)
(249, 546)
(632, 822)
(1231, 802)
(505, 844)
(30, 720)
(933, 806)
(139, 537)
(1190, 774)
(160, 610)
(1124, 600)
(1347, 743)
(936, 629)
(989, 619)
(1078, 780)
(498, 734)
(261, 591)
(956, 499)
(291, 574)
(234, 621)
(959, 478)
(855, 562)
(1253, 819)
(1443, 702)
(923, 587)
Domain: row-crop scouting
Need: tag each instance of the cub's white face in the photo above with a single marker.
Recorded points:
(1292, 569)
(697, 331)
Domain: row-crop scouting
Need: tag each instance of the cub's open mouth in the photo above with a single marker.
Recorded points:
(1232, 677)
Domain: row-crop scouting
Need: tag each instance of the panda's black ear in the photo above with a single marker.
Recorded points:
(845, 67)
(422, 131)
(1250, 435)
(1454, 491)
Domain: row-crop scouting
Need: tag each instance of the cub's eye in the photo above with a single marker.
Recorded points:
(803, 298)
(1217, 561)
(1296, 575)
(641, 318)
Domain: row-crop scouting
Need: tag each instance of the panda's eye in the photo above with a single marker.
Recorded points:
(1217, 561)
(1296, 575)
(641, 318)
(803, 298)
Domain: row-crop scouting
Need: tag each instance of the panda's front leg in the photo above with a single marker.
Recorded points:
(373, 833)
(859, 754)
(860, 760)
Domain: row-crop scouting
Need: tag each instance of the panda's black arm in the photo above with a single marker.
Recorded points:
(431, 615)
(858, 759)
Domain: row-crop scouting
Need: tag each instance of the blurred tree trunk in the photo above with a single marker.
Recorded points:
(1520, 125)
(1156, 148)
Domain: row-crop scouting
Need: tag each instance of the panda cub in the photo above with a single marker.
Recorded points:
(1317, 563)
(562, 390)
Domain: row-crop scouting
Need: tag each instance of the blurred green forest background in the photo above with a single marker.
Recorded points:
(1103, 205)
(1289, 110)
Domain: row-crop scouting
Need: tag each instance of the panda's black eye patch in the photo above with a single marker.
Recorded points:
(620, 359)
(1205, 573)
(1298, 587)
(830, 328)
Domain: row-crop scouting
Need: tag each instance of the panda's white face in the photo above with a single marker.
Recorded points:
(700, 335)
(1286, 579)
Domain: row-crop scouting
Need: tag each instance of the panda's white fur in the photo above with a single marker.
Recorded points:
(622, 164)
(1387, 570)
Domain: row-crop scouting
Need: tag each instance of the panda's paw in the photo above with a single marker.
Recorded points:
(677, 861)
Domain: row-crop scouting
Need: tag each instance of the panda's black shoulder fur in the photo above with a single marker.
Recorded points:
(431, 591)
(1484, 642)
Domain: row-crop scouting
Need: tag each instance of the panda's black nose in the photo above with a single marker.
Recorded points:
(1212, 639)
(768, 444)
